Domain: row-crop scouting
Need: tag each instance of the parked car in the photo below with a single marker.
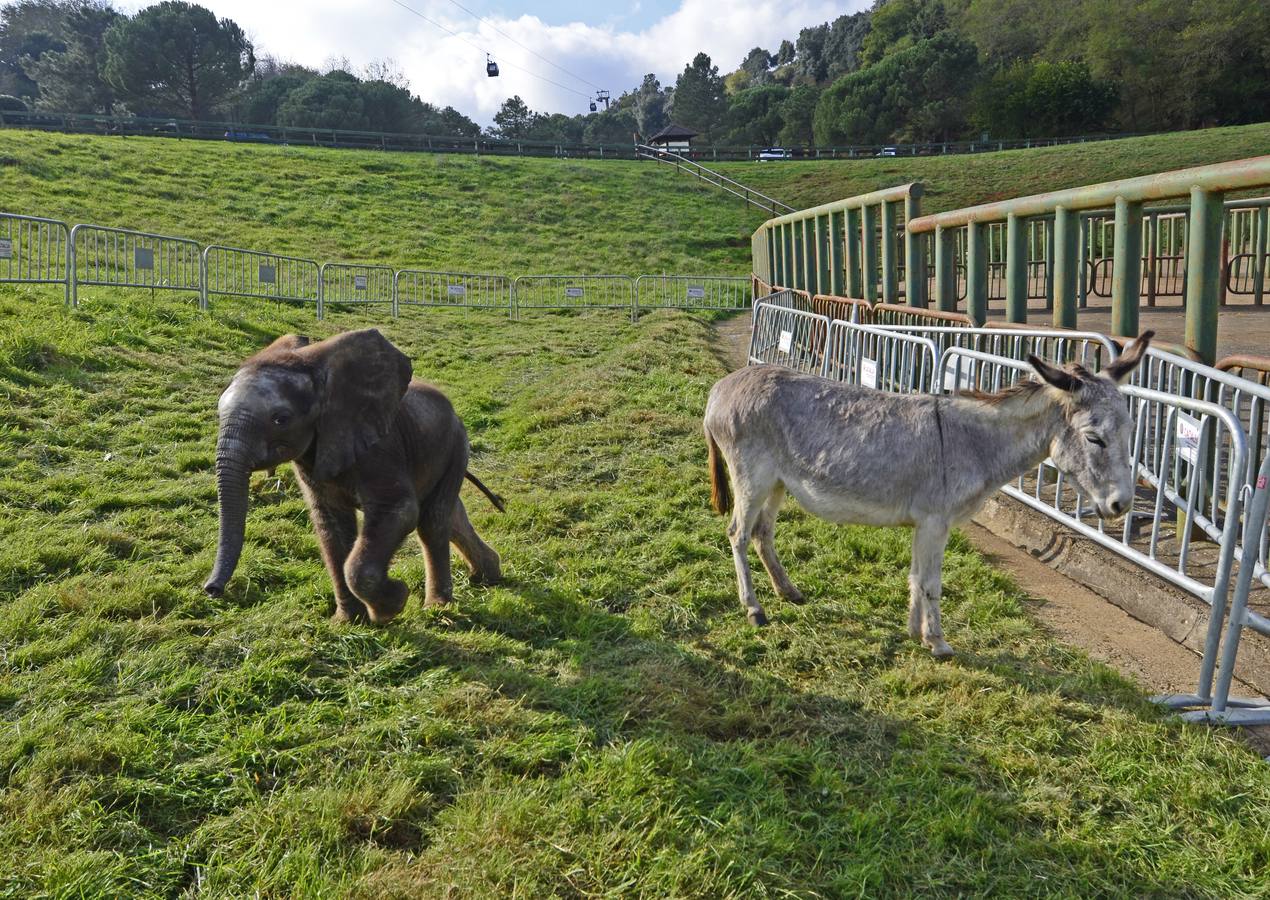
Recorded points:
(773, 153)
(888, 151)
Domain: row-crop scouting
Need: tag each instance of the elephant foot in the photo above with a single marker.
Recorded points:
(437, 600)
(390, 604)
(487, 576)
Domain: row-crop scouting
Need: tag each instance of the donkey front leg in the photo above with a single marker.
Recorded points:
(925, 584)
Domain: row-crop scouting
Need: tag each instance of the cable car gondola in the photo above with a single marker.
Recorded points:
(491, 67)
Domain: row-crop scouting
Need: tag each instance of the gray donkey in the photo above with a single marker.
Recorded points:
(852, 454)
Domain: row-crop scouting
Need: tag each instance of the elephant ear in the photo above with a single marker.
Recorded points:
(361, 378)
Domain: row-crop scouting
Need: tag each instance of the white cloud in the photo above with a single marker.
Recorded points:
(447, 70)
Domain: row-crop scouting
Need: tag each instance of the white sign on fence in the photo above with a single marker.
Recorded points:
(959, 372)
(573, 292)
(696, 292)
(6, 248)
(456, 290)
(143, 258)
(868, 372)
(359, 282)
(268, 274)
(1187, 437)
(786, 341)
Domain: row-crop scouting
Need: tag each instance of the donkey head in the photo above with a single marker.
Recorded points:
(1093, 445)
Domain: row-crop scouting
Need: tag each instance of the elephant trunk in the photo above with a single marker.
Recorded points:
(233, 475)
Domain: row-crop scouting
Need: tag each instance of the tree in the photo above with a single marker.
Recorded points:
(260, 102)
(333, 100)
(810, 63)
(177, 58)
(1043, 99)
(650, 106)
(73, 79)
(28, 30)
(754, 115)
(843, 45)
(513, 119)
(758, 65)
(785, 53)
(897, 25)
(448, 122)
(612, 126)
(700, 102)
(798, 115)
(917, 94)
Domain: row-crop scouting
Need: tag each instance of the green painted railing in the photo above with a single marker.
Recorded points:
(848, 248)
(1206, 275)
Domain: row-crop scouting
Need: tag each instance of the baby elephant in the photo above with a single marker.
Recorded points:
(364, 436)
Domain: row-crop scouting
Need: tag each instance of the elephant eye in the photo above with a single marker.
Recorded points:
(281, 418)
(1095, 440)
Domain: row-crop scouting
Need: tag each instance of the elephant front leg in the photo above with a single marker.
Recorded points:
(336, 529)
(366, 569)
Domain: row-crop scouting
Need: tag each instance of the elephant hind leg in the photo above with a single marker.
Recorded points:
(483, 564)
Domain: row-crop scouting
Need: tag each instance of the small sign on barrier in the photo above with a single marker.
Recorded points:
(6, 249)
(696, 292)
(573, 292)
(1188, 429)
(868, 372)
(143, 258)
(786, 341)
(268, 274)
(959, 372)
(359, 282)
(456, 290)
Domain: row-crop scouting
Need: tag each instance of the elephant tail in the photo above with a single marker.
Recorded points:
(493, 498)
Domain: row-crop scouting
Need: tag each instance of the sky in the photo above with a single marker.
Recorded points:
(597, 46)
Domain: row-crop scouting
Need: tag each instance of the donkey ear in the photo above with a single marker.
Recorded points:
(1064, 381)
(1124, 364)
(360, 378)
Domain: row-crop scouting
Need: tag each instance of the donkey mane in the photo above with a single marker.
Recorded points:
(1023, 390)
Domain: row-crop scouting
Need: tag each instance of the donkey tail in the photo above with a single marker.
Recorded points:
(720, 490)
(493, 498)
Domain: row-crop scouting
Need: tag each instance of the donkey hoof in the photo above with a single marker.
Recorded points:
(757, 617)
(939, 648)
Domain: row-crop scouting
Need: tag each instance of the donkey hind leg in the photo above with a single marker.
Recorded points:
(925, 583)
(747, 505)
(764, 539)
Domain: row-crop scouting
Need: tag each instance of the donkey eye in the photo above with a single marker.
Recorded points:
(1095, 440)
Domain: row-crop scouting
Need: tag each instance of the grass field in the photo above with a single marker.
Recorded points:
(603, 724)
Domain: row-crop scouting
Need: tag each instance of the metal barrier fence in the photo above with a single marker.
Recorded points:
(574, 292)
(420, 287)
(235, 272)
(690, 292)
(354, 283)
(880, 358)
(789, 337)
(117, 257)
(34, 251)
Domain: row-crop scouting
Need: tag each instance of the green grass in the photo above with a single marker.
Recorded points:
(603, 724)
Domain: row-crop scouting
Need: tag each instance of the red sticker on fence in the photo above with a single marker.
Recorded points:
(1261, 483)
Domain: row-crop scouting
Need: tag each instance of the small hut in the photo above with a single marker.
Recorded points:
(674, 138)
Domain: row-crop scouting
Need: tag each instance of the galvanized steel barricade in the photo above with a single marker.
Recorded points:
(691, 292)
(118, 257)
(235, 272)
(34, 250)
(1089, 348)
(574, 292)
(354, 283)
(468, 290)
(880, 358)
(1184, 451)
(788, 337)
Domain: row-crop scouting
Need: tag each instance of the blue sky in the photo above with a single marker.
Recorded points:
(598, 45)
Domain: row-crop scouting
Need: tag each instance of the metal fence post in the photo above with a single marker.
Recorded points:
(914, 251)
(890, 265)
(809, 256)
(945, 270)
(1016, 269)
(787, 255)
(976, 273)
(799, 275)
(1126, 268)
(321, 295)
(869, 253)
(851, 247)
(1203, 272)
(1259, 257)
(836, 239)
(1082, 266)
(202, 280)
(72, 269)
(823, 232)
(1065, 265)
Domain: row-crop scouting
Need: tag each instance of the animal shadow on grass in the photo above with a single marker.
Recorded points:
(886, 772)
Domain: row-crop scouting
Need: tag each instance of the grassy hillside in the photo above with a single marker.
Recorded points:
(956, 181)
(605, 722)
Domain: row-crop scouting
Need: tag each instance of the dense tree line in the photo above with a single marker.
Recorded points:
(904, 70)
